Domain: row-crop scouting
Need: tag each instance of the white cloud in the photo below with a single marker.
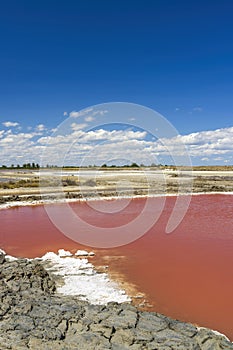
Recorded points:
(9, 124)
(100, 112)
(89, 119)
(112, 136)
(40, 127)
(16, 138)
(204, 144)
(88, 113)
(75, 114)
(76, 126)
(96, 146)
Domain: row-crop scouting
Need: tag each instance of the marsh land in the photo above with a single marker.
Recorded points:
(30, 185)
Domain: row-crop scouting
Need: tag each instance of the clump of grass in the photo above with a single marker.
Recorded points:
(69, 182)
(21, 183)
(90, 183)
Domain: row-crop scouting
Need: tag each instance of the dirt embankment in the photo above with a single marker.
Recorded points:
(28, 186)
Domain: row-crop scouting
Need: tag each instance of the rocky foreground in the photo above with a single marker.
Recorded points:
(33, 316)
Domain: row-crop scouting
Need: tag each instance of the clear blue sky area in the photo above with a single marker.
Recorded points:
(175, 56)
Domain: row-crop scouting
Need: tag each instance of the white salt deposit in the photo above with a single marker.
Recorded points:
(9, 257)
(81, 279)
(62, 253)
(13, 204)
(84, 253)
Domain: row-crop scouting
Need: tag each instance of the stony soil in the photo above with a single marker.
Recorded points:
(33, 316)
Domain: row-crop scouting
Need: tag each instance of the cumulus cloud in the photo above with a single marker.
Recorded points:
(76, 126)
(12, 145)
(9, 124)
(100, 112)
(100, 145)
(40, 127)
(89, 118)
(88, 114)
(75, 114)
(210, 142)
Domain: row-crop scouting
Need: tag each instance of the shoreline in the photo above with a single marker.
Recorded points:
(12, 202)
(26, 200)
(55, 186)
(183, 329)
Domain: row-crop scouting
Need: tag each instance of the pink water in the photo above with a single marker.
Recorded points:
(186, 275)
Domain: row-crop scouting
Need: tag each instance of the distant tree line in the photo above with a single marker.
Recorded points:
(34, 165)
(133, 165)
(24, 166)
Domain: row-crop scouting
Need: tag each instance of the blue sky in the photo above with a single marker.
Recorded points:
(175, 57)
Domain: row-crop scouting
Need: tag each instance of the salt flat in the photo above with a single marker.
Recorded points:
(55, 184)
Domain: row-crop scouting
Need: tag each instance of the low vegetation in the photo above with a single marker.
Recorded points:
(35, 182)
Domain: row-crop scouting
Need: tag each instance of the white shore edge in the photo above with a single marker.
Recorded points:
(82, 280)
(80, 277)
(102, 198)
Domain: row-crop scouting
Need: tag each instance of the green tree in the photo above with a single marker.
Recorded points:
(134, 165)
